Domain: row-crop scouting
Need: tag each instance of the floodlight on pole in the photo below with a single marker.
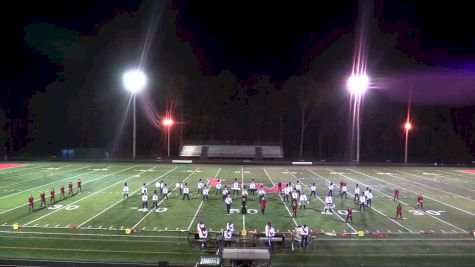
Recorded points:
(357, 86)
(168, 122)
(407, 127)
(134, 81)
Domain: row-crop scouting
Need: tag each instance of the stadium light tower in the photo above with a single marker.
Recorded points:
(407, 127)
(134, 81)
(168, 122)
(357, 86)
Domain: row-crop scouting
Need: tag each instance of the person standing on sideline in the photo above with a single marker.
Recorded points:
(304, 235)
(396, 194)
(270, 233)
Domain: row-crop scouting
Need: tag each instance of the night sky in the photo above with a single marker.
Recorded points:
(238, 71)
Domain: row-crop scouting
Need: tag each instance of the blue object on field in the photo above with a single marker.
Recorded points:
(71, 154)
(65, 154)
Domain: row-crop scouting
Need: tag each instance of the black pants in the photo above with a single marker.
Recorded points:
(313, 193)
(330, 192)
(362, 205)
(144, 205)
(286, 198)
(205, 197)
(218, 191)
(368, 202)
(304, 241)
(185, 195)
(253, 192)
(357, 196)
(344, 193)
(228, 208)
(349, 217)
(155, 204)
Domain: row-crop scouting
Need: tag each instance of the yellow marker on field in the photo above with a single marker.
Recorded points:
(360, 233)
(244, 232)
(16, 226)
(128, 231)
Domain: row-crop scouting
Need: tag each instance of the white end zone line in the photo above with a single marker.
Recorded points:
(410, 206)
(51, 182)
(448, 205)
(88, 220)
(273, 184)
(88, 196)
(148, 213)
(382, 214)
(349, 225)
(201, 204)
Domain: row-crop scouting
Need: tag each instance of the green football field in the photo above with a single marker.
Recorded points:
(90, 225)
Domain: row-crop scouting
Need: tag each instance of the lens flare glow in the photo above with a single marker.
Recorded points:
(134, 81)
(358, 84)
(167, 122)
(407, 126)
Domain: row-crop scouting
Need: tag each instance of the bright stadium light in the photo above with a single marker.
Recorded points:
(134, 81)
(168, 122)
(358, 84)
(407, 127)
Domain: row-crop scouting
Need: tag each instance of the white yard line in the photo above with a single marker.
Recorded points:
(382, 214)
(335, 213)
(431, 186)
(242, 188)
(448, 175)
(49, 183)
(288, 210)
(88, 196)
(448, 205)
(201, 204)
(88, 220)
(148, 213)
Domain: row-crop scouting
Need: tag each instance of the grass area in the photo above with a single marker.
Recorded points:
(89, 225)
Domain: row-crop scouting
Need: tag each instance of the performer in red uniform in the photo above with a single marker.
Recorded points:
(279, 187)
(51, 196)
(70, 187)
(61, 195)
(294, 208)
(396, 194)
(79, 185)
(263, 205)
(399, 211)
(30, 204)
(349, 214)
(419, 201)
(43, 199)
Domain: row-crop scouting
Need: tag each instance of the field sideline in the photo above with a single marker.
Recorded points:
(91, 223)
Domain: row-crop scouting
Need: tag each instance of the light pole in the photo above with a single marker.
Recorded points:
(357, 85)
(408, 127)
(134, 81)
(168, 123)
